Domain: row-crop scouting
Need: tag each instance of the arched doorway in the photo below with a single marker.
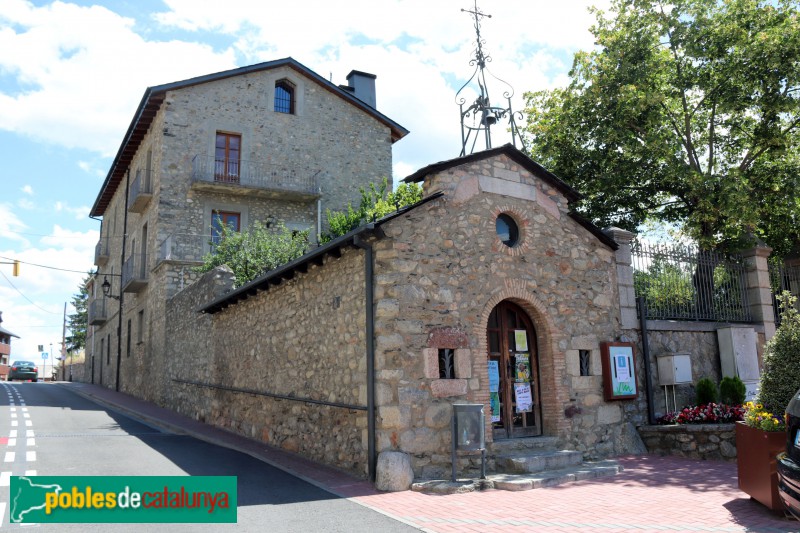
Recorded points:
(513, 373)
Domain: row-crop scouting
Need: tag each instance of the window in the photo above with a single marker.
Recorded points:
(140, 327)
(447, 363)
(507, 230)
(284, 97)
(128, 340)
(584, 357)
(227, 152)
(108, 350)
(223, 218)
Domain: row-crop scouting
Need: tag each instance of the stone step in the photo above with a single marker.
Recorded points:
(559, 476)
(517, 482)
(506, 446)
(530, 461)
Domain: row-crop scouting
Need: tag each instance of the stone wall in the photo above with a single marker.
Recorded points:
(695, 441)
(251, 368)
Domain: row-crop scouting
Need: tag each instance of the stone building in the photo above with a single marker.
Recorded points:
(5, 345)
(272, 142)
(363, 345)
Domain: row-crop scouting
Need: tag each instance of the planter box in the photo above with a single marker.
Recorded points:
(755, 458)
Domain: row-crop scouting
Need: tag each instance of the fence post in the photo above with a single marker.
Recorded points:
(759, 292)
(627, 294)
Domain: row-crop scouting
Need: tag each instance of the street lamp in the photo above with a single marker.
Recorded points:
(107, 289)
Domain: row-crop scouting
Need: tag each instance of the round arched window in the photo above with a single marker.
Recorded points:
(507, 230)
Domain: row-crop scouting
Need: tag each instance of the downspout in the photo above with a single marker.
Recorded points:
(370, 340)
(651, 415)
(122, 268)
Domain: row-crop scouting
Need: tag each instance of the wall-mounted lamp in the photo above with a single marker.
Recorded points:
(107, 289)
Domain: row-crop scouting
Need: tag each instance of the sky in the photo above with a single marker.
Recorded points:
(72, 74)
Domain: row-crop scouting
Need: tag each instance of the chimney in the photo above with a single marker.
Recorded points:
(362, 85)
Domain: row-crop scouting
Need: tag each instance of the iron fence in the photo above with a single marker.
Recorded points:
(782, 278)
(254, 174)
(681, 282)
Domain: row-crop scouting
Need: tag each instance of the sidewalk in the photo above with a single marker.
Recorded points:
(651, 494)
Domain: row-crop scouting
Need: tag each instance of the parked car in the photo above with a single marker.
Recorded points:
(23, 370)
(789, 461)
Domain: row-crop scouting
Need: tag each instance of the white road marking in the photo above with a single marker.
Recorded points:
(30, 442)
(29, 433)
(27, 423)
(13, 415)
(5, 479)
(12, 443)
(13, 423)
(12, 434)
(9, 457)
(2, 512)
(30, 456)
(30, 472)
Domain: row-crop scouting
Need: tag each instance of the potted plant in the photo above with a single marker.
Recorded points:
(762, 434)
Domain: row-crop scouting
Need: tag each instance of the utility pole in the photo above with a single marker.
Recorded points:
(64, 343)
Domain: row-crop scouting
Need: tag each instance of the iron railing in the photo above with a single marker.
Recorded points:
(141, 191)
(97, 312)
(782, 278)
(686, 283)
(255, 174)
(184, 247)
(134, 271)
(101, 252)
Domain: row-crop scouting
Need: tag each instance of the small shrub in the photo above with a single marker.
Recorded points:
(706, 391)
(732, 391)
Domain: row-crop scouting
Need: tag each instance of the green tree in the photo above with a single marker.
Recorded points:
(376, 202)
(255, 251)
(259, 249)
(78, 321)
(687, 112)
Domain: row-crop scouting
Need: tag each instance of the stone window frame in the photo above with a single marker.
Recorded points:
(297, 83)
(448, 339)
(522, 221)
(210, 206)
(447, 387)
(284, 86)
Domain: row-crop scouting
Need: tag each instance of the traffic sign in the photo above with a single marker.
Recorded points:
(44, 356)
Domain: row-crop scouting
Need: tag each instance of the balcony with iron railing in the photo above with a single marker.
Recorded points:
(141, 191)
(97, 312)
(135, 273)
(101, 252)
(254, 177)
(184, 248)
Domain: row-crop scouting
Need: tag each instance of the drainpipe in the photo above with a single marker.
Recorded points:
(651, 415)
(370, 339)
(122, 267)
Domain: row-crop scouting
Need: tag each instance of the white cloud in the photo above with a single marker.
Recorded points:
(83, 70)
(24, 203)
(27, 189)
(10, 225)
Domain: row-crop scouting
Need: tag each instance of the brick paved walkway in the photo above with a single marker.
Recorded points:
(651, 494)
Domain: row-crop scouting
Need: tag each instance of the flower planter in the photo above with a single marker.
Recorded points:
(755, 458)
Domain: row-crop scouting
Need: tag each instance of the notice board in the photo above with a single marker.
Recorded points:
(619, 371)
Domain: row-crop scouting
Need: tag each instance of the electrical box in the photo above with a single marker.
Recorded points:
(737, 353)
(674, 369)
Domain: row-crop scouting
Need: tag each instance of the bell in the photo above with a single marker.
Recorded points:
(489, 118)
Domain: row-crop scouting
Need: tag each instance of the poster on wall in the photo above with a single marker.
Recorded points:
(494, 401)
(521, 340)
(494, 376)
(522, 368)
(619, 371)
(522, 391)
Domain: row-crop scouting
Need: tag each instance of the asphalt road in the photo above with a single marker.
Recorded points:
(59, 433)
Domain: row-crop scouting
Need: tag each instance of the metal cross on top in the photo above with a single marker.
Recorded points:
(478, 118)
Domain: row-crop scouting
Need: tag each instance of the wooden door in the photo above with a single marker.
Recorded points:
(514, 372)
